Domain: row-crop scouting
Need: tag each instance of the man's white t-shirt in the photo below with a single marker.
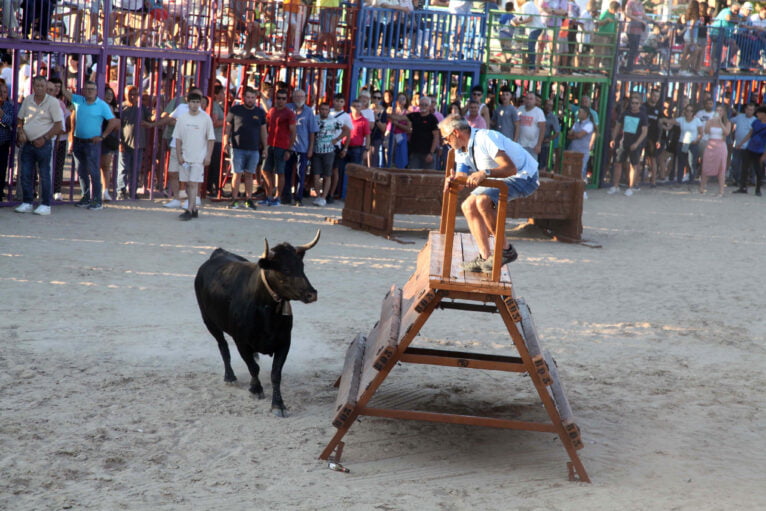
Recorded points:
(483, 147)
(194, 131)
(344, 118)
(181, 109)
(529, 131)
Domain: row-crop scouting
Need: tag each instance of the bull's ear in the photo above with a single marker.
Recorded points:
(301, 249)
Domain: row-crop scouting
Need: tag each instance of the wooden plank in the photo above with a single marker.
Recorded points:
(556, 390)
(528, 329)
(383, 339)
(349, 381)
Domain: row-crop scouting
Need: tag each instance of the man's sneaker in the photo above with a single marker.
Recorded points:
(83, 203)
(628, 192)
(509, 254)
(329, 200)
(613, 190)
(186, 215)
(249, 204)
(685, 179)
(95, 206)
(122, 195)
(42, 209)
(195, 213)
(264, 202)
(106, 195)
(274, 202)
(477, 265)
(233, 205)
(740, 190)
(24, 208)
(57, 196)
(320, 202)
(175, 203)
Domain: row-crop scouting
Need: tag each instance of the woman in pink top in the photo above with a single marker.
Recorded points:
(400, 128)
(473, 116)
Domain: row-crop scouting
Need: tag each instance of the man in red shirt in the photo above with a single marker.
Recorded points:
(359, 142)
(281, 128)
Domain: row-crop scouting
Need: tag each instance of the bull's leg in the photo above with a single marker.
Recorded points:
(223, 347)
(248, 356)
(277, 405)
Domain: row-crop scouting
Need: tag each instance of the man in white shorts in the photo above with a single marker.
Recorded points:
(194, 137)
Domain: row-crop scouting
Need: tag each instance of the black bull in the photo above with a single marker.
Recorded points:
(250, 302)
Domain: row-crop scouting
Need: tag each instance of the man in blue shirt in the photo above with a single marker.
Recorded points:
(755, 154)
(90, 114)
(303, 149)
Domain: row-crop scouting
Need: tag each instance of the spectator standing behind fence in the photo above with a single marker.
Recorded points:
(531, 20)
(194, 136)
(654, 112)
(554, 13)
(134, 123)
(38, 122)
(505, 118)
(400, 131)
(637, 23)
(109, 145)
(331, 131)
(244, 141)
(7, 121)
(716, 154)
(606, 33)
(216, 114)
(60, 144)
(359, 139)
(90, 114)
(377, 137)
(741, 125)
(689, 137)
(477, 93)
(281, 129)
(704, 116)
(633, 126)
(341, 148)
(424, 137)
(302, 150)
(755, 154)
(531, 125)
(579, 138)
(551, 134)
(473, 116)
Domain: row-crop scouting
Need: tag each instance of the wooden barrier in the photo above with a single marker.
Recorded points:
(376, 195)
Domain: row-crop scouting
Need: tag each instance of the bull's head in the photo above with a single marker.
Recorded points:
(284, 270)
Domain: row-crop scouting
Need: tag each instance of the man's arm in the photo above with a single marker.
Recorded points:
(179, 151)
(540, 136)
(505, 168)
(113, 124)
(209, 155)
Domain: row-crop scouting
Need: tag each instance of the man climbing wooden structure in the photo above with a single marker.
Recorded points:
(439, 281)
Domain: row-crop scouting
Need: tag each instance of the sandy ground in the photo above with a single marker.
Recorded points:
(112, 394)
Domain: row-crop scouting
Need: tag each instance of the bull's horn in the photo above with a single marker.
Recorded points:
(266, 249)
(310, 244)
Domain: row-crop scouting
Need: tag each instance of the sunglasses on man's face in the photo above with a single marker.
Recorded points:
(377, 97)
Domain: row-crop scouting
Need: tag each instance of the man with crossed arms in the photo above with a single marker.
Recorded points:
(488, 153)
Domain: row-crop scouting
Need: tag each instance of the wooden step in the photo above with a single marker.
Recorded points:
(348, 390)
(556, 391)
(383, 339)
(532, 342)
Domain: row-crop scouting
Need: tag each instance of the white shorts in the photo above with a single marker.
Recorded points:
(173, 165)
(191, 173)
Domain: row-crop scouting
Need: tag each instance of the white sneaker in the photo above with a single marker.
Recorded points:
(24, 208)
(57, 196)
(182, 194)
(175, 203)
(613, 190)
(42, 210)
(106, 195)
(685, 179)
(320, 202)
(628, 192)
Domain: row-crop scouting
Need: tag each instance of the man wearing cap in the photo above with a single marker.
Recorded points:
(488, 153)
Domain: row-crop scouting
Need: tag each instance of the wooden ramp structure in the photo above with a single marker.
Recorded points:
(440, 282)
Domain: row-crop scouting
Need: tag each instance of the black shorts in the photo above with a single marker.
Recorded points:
(624, 154)
(651, 149)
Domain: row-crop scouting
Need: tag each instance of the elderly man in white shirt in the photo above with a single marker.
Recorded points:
(485, 153)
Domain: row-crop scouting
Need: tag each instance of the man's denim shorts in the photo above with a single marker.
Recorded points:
(518, 188)
(245, 161)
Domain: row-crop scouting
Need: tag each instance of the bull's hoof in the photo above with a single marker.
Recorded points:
(279, 412)
(229, 378)
(258, 391)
